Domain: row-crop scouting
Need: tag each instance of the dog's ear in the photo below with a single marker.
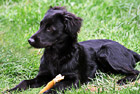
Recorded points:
(72, 24)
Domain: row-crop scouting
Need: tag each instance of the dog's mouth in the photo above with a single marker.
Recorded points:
(43, 44)
(49, 44)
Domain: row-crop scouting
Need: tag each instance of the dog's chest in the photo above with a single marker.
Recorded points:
(62, 65)
(58, 65)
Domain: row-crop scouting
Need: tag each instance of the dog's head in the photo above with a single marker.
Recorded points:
(56, 26)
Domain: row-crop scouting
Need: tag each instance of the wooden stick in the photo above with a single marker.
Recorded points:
(58, 78)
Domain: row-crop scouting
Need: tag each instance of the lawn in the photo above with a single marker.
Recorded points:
(117, 20)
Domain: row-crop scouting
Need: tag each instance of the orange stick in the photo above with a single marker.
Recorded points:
(58, 78)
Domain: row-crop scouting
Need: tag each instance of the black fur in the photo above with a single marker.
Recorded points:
(78, 62)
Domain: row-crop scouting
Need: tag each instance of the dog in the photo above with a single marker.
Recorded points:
(77, 61)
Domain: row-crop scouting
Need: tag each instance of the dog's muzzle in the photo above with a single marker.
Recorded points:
(31, 41)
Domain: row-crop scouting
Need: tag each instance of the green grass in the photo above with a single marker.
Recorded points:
(117, 20)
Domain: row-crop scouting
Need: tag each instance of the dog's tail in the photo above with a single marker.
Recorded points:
(136, 55)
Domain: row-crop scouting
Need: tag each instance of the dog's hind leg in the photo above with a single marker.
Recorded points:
(131, 77)
(114, 57)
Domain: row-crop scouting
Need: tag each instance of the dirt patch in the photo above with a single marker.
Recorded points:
(94, 88)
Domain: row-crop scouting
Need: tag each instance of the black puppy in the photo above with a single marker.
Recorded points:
(78, 62)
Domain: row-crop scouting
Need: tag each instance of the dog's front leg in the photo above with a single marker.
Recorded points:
(61, 86)
(23, 85)
(33, 83)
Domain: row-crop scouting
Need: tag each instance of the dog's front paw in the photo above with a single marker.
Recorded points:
(21, 86)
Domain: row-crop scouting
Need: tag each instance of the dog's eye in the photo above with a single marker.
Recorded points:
(51, 29)
(48, 29)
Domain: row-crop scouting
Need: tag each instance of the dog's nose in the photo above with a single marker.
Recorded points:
(31, 40)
